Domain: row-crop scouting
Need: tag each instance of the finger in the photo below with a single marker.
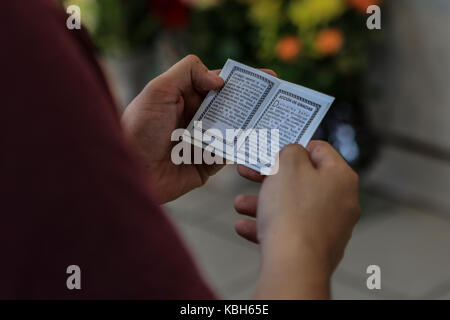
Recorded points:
(247, 229)
(207, 170)
(192, 103)
(190, 73)
(250, 174)
(212, 169)
(323, 155)
(270, 71)
(294, 155)
(246, 204)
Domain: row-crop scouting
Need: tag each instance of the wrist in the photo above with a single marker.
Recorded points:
(293, 268)
(298, 275)
(289, 239)
(296, 255)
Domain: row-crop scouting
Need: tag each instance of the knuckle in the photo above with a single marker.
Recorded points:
(270, 71)
(291, 151)
(346, 172)
(355, 178)
(357, 211)
(353, 204)
(321, 149)
(353, 209)
(293, 148)
(315, 149)
(192, 58)
(320, 146)
(160, 90)
(324, 144)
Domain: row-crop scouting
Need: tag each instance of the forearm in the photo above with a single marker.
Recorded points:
(293, 271)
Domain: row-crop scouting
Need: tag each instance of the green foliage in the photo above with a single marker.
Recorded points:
(278, 34)
(222, 32)
(120, 26)
(247, 31)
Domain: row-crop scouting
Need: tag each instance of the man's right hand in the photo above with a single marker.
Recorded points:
(305, 216)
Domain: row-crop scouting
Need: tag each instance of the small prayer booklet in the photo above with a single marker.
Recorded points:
(254, 115)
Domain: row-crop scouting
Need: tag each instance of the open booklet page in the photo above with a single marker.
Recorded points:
(254, 115)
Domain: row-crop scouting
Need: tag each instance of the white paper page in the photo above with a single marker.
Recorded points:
(296, 112)
(253, 101)
(236, 104)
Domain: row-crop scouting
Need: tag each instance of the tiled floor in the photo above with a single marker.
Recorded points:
(412, 247)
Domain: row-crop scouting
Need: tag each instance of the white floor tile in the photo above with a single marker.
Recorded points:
(412, 249)
(223, 262)
(445, 296)
(343, 291)
(410, 246)
(412, 177)
(198, 205)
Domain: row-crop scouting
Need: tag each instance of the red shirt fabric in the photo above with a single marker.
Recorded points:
(71, 192)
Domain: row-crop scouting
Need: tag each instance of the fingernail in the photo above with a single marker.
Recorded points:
(216, 78)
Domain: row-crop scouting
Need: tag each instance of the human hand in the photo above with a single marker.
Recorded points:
(169, 102)
(305, 216)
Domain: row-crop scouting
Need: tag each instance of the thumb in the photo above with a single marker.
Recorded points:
(323, 155)
(294, 155)
(190, 73)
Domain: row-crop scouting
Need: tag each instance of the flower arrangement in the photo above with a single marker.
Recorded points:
(122, 26)
(321, 44)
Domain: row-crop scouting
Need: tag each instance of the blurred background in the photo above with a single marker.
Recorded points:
(389, 121)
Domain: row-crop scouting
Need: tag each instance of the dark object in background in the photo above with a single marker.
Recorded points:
(330, 54)
(346, 127)
(324, 45)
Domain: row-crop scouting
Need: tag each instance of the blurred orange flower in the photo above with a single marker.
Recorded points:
(329, 41)
(362, 5)
(288, 48)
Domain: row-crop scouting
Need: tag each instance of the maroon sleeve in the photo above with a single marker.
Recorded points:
(71, 192)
